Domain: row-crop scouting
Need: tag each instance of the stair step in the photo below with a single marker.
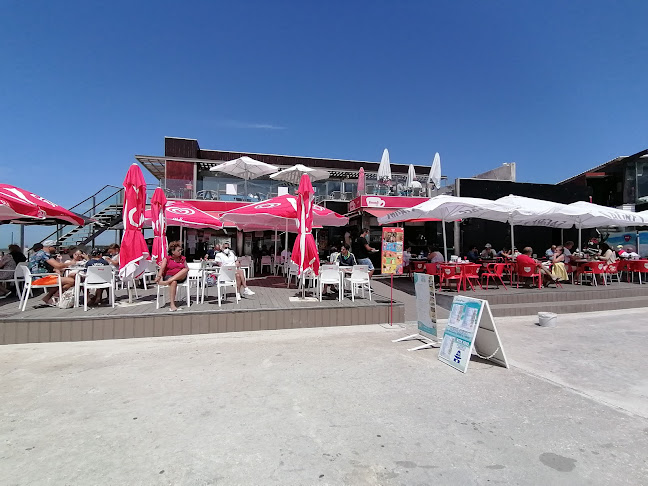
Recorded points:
(526, 309)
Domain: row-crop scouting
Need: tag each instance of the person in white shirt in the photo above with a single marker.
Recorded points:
(407, 255)
(488, 252)
(227, 257)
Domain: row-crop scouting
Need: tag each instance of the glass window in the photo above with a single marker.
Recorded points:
(642, 181)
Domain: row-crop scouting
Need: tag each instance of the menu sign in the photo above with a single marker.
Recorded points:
(392, 251)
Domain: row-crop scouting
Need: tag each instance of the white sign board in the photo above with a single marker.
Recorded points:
(425, 312)
(470, 327)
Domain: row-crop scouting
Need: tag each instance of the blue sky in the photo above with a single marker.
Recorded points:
(557, 87)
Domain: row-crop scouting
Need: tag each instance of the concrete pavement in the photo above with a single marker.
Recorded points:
(329, 406)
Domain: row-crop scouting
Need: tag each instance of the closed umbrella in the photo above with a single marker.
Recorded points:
(158, 219)
(435, 172)
(133, 247)
(361, 182)
(294, 174)
(411, 177)
(48, 212)
(245, 168)
(384, 169)
(305, 252)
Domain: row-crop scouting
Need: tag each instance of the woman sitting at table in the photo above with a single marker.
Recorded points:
(174, 270)
(607, 255)
(557, 260)
(434, 256)
(8, 265)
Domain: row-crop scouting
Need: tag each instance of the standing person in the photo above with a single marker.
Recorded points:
(362, 250)
(173, 270)
(227, 257)
(43, 261)
(407, 256)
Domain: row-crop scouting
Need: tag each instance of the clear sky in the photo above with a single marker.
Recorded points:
(557, 87)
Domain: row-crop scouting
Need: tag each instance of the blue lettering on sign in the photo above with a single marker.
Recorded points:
(457, 357)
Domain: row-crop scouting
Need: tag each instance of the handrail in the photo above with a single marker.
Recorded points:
(90, 197)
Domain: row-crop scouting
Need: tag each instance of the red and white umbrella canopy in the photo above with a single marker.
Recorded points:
(158, 219)
(361, 182)
(46, 210)
(274, 213)
(182, 213)
(133, 247)
(305, 250)
(12, 207)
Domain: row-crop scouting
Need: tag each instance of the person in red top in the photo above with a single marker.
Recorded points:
(174, 270)
(525, 260)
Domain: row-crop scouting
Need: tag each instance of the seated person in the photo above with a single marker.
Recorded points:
(8, 265)
(567, 247)
(96, 259)
(345, 258)
(173, 270)
(227, 257)
(113, 255)
(334, 254)
(43, 262)
(435, 256)
(488, 253)
(525, 260)
(473, 255)
(211, 253)
(558, 268)
(549, 253)
(504, 253)
(607, 255)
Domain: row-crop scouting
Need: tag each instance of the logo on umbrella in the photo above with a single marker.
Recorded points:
(267, 205)
(181, 211)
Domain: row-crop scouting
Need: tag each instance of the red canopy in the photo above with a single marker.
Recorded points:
(45, 209)
(182, 213)
(133, 247)
(305, 250)
(12, 207)
(160, 243)
(273, 213)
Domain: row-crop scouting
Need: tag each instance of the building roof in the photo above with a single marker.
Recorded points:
(608, 164)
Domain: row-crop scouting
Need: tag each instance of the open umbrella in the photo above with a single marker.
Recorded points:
(384, 169)
(158, 218)
(361, 182)
(133, 247)
(49, 212)
(245, 168)
(294, 174)
(184, 214)
(305, 252)
(435, 172)
(12, 207)
(447, 209)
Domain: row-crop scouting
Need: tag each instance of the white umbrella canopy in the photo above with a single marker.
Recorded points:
(245, 168)
(293, 174)
(384, 169)
(411, 177)
(590, 215)
(435, 172)
(450, 208)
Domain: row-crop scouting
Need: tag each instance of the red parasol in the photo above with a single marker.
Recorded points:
(12, 207)
(361, 182)
(305, 250)
(45, 209)
(133, 247)
(182, 213)
(160, 243)
(276, 212)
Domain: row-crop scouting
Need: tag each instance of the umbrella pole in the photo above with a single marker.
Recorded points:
(445, 244)
(512, 238)
(580, 243)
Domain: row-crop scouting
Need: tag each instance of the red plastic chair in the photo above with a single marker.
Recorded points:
(451, 273)
(416, 267)
(593, 269)
(494, 270)
(638, 267)
(471, 272)
(433, 269)
(524, 271)
(612, 270)
(571, 271)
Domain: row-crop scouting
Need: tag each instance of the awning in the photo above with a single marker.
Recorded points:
(378, 213)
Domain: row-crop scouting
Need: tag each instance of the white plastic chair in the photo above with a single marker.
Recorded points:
(279, 265)
(227, 278)
(195, 278)
(29, 285)
(330, 275)
(246, 264)
(359, 279)
(98, 277)
(266, 261)
(292, 270)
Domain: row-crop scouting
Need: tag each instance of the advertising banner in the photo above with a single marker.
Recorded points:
(425, 305)
(460, 332)
(392, 251)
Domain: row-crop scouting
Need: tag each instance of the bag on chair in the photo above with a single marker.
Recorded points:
(67, 299)
(47, 280)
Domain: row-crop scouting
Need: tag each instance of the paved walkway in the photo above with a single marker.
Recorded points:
(330, 406)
